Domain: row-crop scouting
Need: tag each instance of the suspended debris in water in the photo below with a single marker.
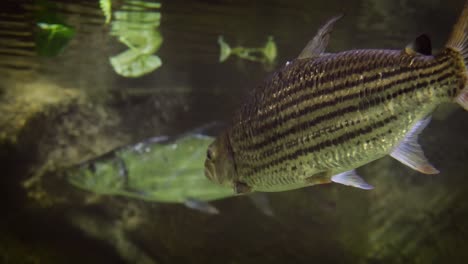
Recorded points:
(135, 25)
(266, 54)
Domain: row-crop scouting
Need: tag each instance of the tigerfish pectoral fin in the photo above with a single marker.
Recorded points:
(410, 153)
(241, 187)
(319, 178)
(351, 178)
(422, 45)
(317, 45)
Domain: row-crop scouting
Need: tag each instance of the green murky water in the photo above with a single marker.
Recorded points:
(104, 123)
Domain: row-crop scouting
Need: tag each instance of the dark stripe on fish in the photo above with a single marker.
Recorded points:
(313, 79)
(325, 144)
(271, 123)
(310, 108)
(349, 135)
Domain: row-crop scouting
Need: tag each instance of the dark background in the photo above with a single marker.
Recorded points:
(407, 218)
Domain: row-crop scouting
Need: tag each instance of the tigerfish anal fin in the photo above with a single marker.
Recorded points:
(261, 201)
(422, 45)
(410, 153)
(317, 45)
(351, 178)
(202, 206)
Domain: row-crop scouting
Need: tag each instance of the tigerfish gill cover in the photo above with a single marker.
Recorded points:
(323, 115)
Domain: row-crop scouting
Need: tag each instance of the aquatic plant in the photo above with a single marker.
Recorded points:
(106, 8)
(52, 38)
(53, 33)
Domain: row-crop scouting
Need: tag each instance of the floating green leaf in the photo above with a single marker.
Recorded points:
(106, 7)
(224, 48)
(132, 63)
(270, 50)
(136, 27)
(52, 38)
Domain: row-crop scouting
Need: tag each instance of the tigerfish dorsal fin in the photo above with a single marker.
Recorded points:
(422, 44)
(317, 45)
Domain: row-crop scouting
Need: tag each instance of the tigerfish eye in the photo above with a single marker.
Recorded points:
(210, 154)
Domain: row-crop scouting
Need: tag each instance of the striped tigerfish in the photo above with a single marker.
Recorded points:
(323, 115)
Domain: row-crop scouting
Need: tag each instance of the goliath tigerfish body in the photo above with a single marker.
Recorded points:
(323, 115)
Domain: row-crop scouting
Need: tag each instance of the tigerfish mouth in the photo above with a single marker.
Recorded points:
(209, 172)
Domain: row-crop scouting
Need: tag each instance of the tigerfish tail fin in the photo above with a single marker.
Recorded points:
(459, 41)
(459, 38)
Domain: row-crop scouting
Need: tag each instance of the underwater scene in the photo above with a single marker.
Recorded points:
(233, 131)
